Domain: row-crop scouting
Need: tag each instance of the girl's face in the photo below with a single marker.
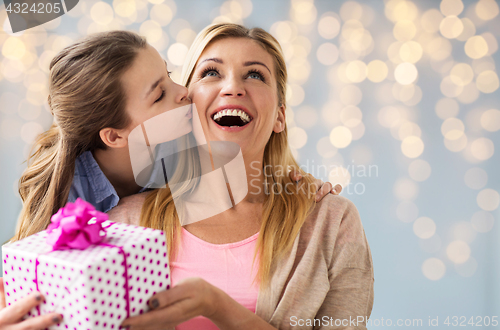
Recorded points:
(235, 91)
(150, 91)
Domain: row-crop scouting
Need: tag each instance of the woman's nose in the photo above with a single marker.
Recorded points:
(233, 87)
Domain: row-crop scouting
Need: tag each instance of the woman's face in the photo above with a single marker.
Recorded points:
(235, 92)
(150, 91)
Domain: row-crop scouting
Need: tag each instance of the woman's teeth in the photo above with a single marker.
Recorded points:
(232, 112)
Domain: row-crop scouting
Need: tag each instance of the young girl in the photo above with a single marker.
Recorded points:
(85, 152)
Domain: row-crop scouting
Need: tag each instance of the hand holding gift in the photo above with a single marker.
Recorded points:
(96, 273)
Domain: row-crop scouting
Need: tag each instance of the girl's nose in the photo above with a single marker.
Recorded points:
(181, 94)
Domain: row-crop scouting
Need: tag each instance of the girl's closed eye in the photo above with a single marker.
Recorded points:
(256, 74)
(161, 96)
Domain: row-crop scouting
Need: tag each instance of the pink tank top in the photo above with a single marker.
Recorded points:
(226, 266)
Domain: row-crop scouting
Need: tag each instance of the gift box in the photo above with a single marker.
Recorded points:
(97, 287)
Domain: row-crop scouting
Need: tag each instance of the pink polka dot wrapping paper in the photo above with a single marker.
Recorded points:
(88, 286)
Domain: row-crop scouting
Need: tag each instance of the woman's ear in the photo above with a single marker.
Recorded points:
(279, 126)
(113, 138)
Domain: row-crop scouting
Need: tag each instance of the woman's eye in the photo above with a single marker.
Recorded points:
(209, 72)
(161, 96)
(254, 75)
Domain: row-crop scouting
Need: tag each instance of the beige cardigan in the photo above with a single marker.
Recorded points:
(328, 275)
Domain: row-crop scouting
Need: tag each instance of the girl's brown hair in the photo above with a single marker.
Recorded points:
(85, 96)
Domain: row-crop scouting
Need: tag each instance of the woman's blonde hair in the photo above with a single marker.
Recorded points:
(85, 96)
(283, 214)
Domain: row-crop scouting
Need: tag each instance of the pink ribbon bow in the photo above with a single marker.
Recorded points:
(70, 227)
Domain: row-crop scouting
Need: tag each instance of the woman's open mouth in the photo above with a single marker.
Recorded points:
(231, 119)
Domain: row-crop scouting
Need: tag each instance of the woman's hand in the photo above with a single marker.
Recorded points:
(11, 317)
(192, 297)
(323, 188)
(189, 298)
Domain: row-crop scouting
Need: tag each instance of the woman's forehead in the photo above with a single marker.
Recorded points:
(236, 49)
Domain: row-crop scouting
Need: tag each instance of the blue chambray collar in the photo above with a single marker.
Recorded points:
(98, 182)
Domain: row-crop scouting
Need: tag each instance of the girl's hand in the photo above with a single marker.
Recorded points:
(11, 316)
(189, 298)
(324, 188)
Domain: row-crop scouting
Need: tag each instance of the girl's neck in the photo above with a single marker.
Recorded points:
(116, 166)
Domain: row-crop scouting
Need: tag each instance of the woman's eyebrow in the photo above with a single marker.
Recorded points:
(213, 59)
(256, 62)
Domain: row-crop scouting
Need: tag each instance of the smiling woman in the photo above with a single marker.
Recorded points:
(274, 257)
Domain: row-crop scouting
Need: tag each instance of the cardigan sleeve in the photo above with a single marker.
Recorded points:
(349, 301)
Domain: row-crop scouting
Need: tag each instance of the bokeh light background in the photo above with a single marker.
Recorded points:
(396, 100)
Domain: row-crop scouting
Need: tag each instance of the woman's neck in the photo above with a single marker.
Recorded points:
(116, 166)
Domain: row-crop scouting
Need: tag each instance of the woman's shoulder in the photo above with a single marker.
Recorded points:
(128, 209)
(334, 209)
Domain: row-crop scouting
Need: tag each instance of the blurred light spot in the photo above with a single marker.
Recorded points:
(30, 130)
(408, 128)
(490, 120)
(405, 73)
(12, 70)
(476, 47)
(404, 30)
(329, 26)
(13, 48)
(356, 71)
(306, 117)
(389, 116)
(456, 145)
(101, 13)
(393, 52)
(431, 20)
(325, 149)
(177, 53)
(482, 221)
(419, 170)
(469, 94)
(303, 12)
(487, 81)
(430, 245)
(298, 70)
(152, 31)
(451, 27)
(492, 42)
(340, 137)
(438, 48)
(156, 1)
(124, 8)
(377, 71)
(327, 53)
(461, 74)
(284, 31)
(468, 31)
(407, 211)
(452, 128)
(340, 175)
(330, 114)
(488, 199)
(357, 131)
(405, 189)
(482, 148)
(412, 146)
(463, 231)
(351, 10)
(411, 52)
(483, 64)
(446, 108)
(351, 95)
(351, 116)
(468, 268)
(297, 137)
(424, 227)
(295, 95)
(396, 10)
(458, 251)
(451, 7)
(161, 14)
(433, 268)
(486, 9)
(449, 88)
(476, 178)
